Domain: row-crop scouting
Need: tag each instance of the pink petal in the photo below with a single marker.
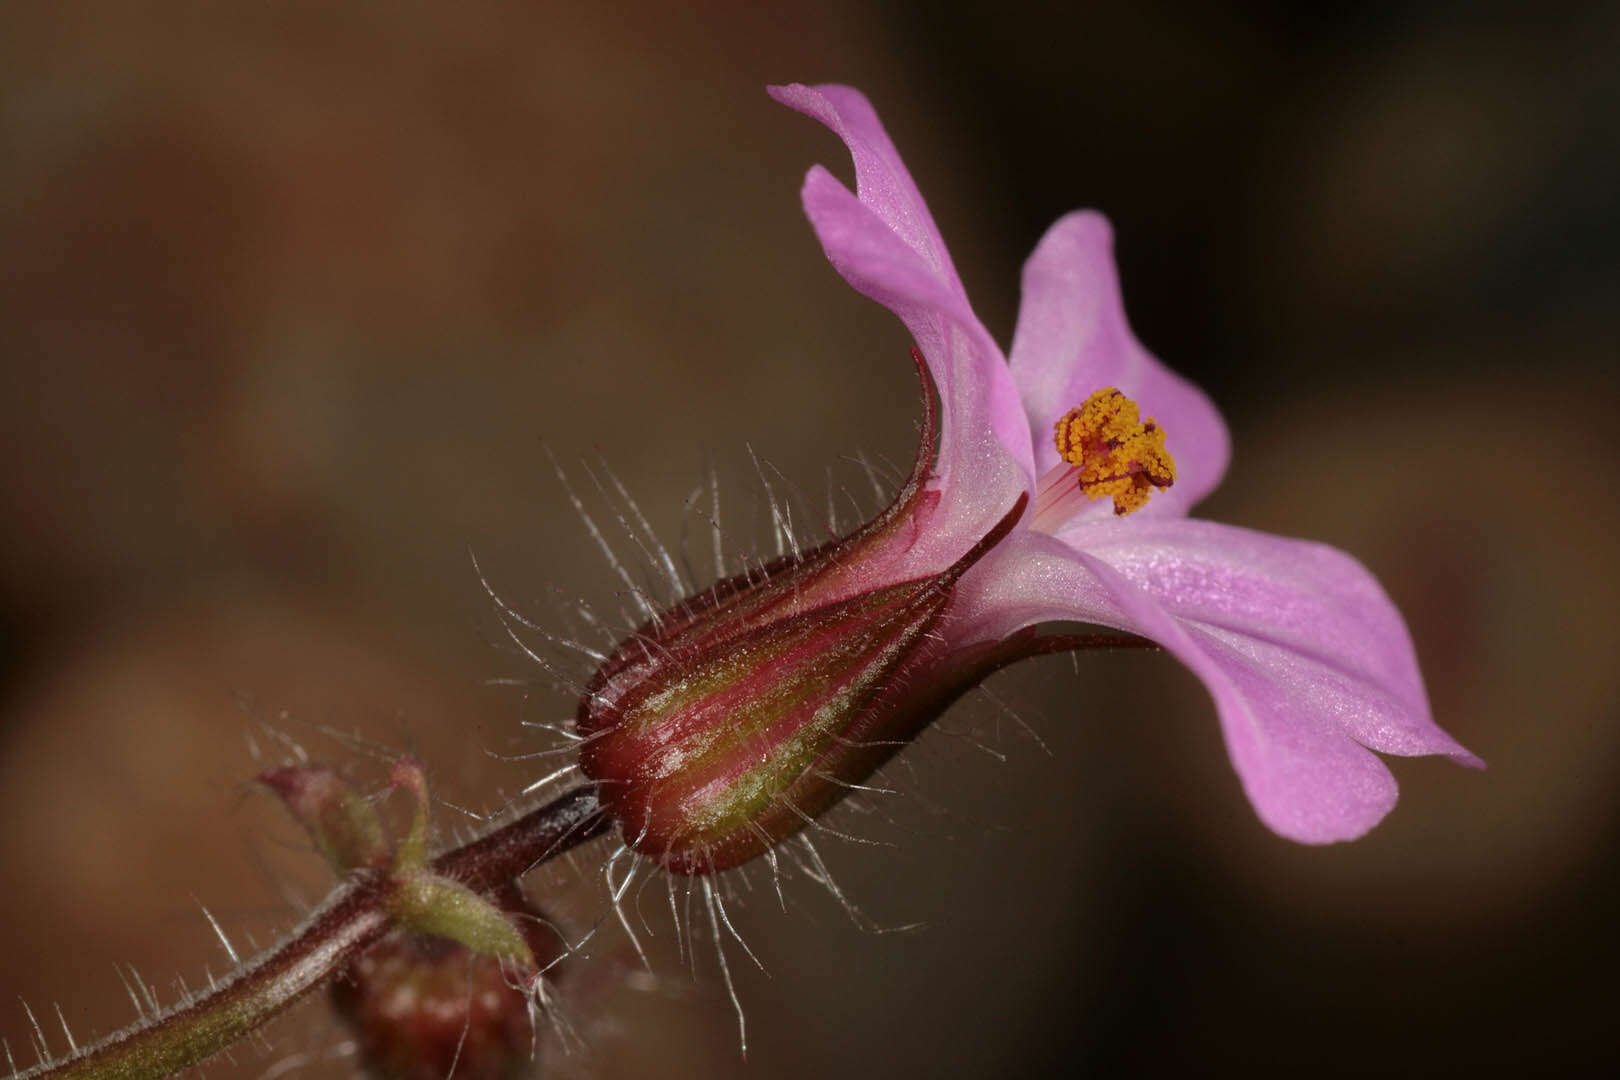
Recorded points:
(881, 179)
(1308, 661)
(1073, 338)
(884, 243)
(984, 459)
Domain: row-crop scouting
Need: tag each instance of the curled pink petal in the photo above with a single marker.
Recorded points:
(1307, 660)
(1073, 338)
(984, 457)
(881, 179)
(884, 242)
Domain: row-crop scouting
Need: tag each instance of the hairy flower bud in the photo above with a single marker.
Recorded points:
(342, 823)
(729, 722)
(424, 1007)
(419, 1005)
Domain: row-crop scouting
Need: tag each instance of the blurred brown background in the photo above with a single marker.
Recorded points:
(295, 296)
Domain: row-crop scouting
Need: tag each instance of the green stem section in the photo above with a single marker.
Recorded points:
(353, 917)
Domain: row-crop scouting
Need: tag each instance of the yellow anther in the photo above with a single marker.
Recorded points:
(1113, 452)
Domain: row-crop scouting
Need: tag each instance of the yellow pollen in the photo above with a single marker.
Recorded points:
(1113, 452)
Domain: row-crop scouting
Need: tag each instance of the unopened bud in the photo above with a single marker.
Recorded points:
(342, 823)
(423, 1007)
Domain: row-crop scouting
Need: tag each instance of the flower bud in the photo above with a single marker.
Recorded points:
(423, 1007)
(339, 820)
(728, 723)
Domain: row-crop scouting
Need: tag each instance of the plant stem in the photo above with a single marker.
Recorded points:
(351, 918)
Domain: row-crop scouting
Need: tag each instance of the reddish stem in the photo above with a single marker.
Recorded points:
(354, 916)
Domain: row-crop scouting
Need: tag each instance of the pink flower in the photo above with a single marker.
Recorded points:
(728, 722)
(1309, 663)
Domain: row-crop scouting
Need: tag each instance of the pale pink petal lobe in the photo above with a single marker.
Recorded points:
(893, 253)
(984, 460)
(1307, 660)
(881, 179)
(1072, 338)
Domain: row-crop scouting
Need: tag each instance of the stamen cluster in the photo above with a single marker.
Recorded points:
(1114, 453)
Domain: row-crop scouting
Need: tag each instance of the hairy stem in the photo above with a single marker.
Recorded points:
(354, 916)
